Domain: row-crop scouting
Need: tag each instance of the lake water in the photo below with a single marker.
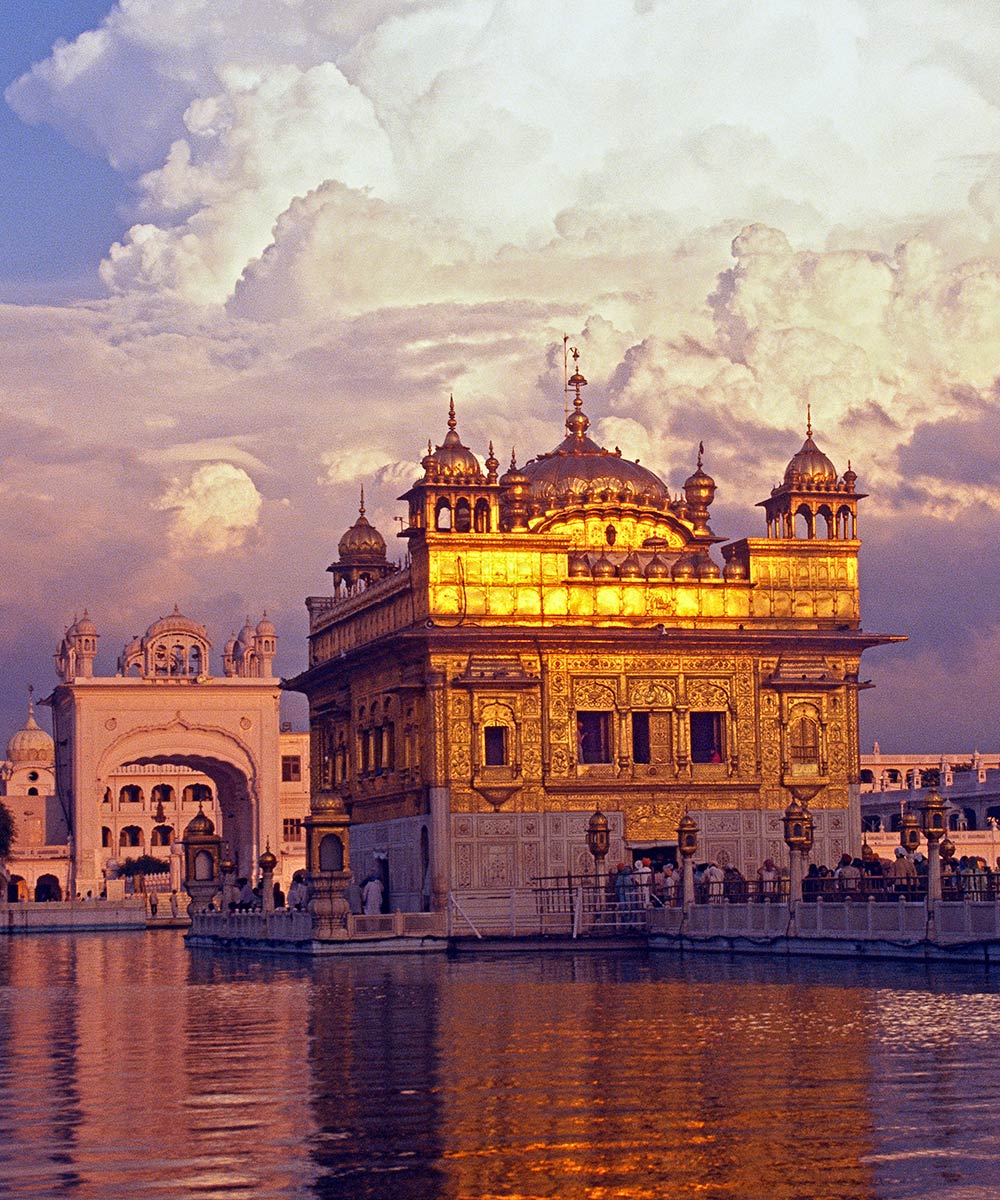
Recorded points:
(133, 1068)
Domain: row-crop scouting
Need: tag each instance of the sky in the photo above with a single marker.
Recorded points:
(251, 246)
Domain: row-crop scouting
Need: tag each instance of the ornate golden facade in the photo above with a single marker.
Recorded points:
(561, 639)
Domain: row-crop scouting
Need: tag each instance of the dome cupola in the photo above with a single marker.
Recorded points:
(362, 543)
(452, 461)
(31, 744)
(810, 467)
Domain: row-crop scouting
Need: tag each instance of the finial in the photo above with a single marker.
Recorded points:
(451, 411)
(361, 510)
(701, 454)
(491, 449)
(513, 459)
(577, 380)
(809, 421)
(31, 700)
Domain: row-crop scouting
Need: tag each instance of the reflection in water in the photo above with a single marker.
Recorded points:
(131, 1067)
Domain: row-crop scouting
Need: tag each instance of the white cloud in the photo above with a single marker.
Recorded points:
(213, 512)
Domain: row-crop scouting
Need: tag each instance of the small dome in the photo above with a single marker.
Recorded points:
(452, 459)
(656, 568)
(267, 861)
(86, 626)
(686, 567)
(362, 543)
(579, 566)
(265, 627)
(630, 568)
(708, 569)
(734, 569)
(200, 825)
(31, 744)
(604, 568)
(176, 623)
(810, 465)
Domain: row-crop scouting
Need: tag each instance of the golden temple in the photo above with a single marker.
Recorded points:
(560, 639)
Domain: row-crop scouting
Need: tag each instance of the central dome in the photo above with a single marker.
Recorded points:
(579, 469)
(362, 543)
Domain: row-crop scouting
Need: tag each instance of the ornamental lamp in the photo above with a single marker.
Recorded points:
(598, 836)
(687, 836)
(932, 818)
(947, 848)
(794, 822)
(909, 832)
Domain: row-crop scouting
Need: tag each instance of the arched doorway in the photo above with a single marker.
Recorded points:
(228, 799)
(17, 889)
(48, 888)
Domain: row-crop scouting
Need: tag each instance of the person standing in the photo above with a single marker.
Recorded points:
(371, 896)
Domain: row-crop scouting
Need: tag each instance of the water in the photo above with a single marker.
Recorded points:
(133, 1068)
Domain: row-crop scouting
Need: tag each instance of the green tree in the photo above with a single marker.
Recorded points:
(7, 830)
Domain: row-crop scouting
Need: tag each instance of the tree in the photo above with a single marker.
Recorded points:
(7, 830)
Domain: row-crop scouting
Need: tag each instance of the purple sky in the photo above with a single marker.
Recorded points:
(251, 245)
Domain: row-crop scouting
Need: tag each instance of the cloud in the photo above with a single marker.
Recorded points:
(345, 212)
(214, 512)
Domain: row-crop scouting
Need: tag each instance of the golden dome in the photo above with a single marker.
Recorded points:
(580, 470)
(810, 466)
(362, 543)
(452, 460)
(200, 825)
(31, 744)
(267, 861)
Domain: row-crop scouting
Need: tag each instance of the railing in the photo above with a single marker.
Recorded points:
(288, 925)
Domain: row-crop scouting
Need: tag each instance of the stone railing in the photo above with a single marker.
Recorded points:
(861, 921)
(30, 916)
(285, 925)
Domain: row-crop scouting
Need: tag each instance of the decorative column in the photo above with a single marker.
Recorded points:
(687, 844)
(932, 820)
(328, 865)
(202, 854)
(598, 841)
(267, 862)
(799, 839)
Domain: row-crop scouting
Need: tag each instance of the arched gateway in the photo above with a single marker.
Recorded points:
(165, 713)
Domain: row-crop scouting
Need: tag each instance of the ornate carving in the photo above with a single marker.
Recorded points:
(647, 694)
(701, 693)
(594, 694)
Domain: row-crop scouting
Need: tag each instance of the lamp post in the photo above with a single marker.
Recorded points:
(687, 844)
(799, 838)
(932, 821)
(598, 841)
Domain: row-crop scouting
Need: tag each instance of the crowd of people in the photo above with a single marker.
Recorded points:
(650, 882)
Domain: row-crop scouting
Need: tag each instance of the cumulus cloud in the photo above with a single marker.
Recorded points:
(214, 512)
(343, 212)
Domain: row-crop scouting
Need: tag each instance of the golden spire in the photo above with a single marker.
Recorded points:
(809, 421)
(452, 423)
(361, 510)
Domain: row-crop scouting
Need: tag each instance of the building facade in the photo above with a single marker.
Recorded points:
(561, 639)
(136, 755)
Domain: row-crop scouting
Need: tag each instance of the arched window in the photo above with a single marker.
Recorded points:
(804, 742)
(131, 835)
(331, 853)
(867, 776)
(105, 837)
(463, 516)
(804, 526)
(162, 835)
(482, 519)
(442, 516)
(194, 660)
(131, 794)
(32, 791)
(163, 793)
(203, 865)
(197, 793)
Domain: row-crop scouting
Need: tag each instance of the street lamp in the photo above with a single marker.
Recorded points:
(799, 838)
(934, 825)
(909, 832)
(598, 841)
(687, 844)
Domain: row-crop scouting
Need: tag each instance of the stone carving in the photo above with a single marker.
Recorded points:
(593, 694)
